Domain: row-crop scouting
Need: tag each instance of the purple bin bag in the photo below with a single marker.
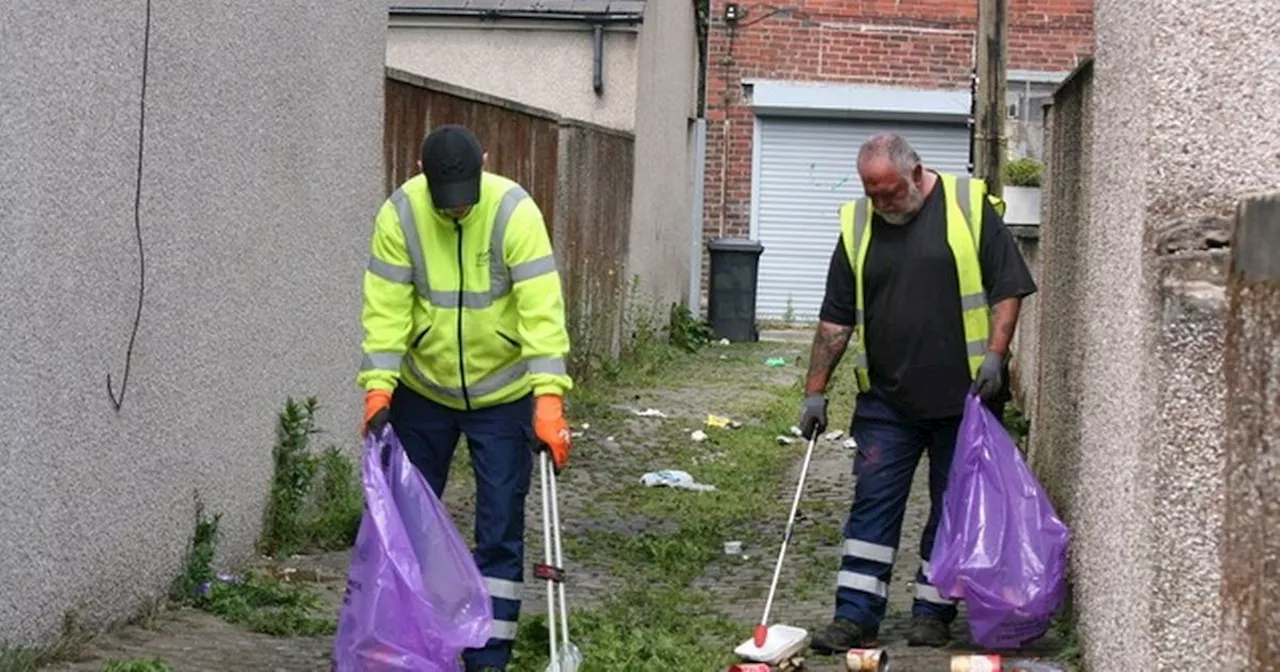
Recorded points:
(1000, 546)
(415, 598)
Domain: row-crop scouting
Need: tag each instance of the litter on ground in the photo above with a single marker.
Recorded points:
(850, 443)
(699, 435)
(722, 422)
(674, 479)
(785, 440)
(775, 361)
(650, 413)
(833, 435)
(795, 431)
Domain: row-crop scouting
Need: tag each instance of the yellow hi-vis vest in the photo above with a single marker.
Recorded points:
(964, 196)
(468, 315)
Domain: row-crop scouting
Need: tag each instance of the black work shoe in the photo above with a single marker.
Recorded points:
(840, 636)
(928, 631)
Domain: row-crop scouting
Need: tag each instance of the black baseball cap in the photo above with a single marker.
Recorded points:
(452, 160)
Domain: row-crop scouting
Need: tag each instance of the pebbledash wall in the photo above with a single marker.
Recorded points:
(258, 185)
(792, 91)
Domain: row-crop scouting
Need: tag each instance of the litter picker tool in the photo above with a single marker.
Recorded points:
(773, 644)
(565, 657)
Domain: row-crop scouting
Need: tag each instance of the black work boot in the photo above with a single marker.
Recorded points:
(841, 636)
(928, 630)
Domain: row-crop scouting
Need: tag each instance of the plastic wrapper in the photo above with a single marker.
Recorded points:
(1000, 546)
(415, 598)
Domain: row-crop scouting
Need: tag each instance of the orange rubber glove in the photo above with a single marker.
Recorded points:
(551, 428)
(377, 410)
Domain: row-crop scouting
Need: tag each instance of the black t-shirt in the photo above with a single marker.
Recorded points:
(914, 326)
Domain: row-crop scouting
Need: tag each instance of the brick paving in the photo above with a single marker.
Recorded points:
(613, 452)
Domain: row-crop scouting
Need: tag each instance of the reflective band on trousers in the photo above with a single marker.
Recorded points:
(500, 277)
(869, 551)
(502, 588)
(862, 582)
(504, 630)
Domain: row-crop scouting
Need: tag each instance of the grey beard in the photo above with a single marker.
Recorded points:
(898, 219)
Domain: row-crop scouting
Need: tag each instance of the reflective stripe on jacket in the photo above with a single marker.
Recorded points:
(470, 314)
(964, 196)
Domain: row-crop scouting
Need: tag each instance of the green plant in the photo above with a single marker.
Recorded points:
(685, 331)
(316, 499)
(253, 600)
(137, 665)
(1023, 172)
(197, 567)
(264, 605)
(32, 659)
(291, 480)
(1017, 424)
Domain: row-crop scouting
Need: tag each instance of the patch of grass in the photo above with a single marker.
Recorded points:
(253, 601)
(316, 499)
(262, 604)
(137, 665)
(660, 621)
(659, 628)
(31, 659)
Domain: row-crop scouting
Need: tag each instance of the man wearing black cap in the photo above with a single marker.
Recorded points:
(465, 335)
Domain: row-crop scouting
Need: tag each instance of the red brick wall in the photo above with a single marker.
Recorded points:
(914, 43)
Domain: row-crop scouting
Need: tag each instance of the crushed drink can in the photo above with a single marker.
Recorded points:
(750, 667)
(866, 660)
(975, 663)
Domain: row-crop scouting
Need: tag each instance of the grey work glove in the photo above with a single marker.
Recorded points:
(813, 416)
(990, 377)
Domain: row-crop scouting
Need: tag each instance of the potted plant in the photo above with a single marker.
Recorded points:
(1022, 179)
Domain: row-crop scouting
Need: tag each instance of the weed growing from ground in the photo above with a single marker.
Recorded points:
(137, 665)
(31, 659)
(316, 498)
(253, 601)
(685, 331)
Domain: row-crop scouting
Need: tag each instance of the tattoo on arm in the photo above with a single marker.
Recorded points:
(1004, 320)
(829, 343)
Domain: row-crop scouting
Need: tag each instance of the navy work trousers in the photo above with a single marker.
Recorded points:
(499, 440)
(889, 449)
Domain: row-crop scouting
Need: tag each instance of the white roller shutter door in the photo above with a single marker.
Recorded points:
(805, 171)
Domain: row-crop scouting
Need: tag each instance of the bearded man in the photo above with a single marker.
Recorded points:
(929, 282)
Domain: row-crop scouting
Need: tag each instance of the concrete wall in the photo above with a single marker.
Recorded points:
(662, 204)
(546, 64)
(1023, 365)
(1151, 148)
(261, 174)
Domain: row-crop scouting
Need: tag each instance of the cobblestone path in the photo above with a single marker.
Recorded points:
(612, 453)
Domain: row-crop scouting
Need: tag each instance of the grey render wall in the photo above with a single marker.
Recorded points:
(261, 174)
(545, 64)
(1151, 149)
(666, 100)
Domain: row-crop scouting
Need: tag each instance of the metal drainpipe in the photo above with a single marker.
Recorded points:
(597, 75)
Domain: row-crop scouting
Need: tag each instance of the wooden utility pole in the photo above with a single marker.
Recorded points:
(990, 110)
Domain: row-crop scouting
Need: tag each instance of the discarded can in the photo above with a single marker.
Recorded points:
(975, 663)
(866, 660)
(792, 665)
(750, 667)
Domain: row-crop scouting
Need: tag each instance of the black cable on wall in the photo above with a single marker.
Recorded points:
(137, 217)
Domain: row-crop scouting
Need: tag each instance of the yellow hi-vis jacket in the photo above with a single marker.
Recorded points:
(964, 196)
(470, 314)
